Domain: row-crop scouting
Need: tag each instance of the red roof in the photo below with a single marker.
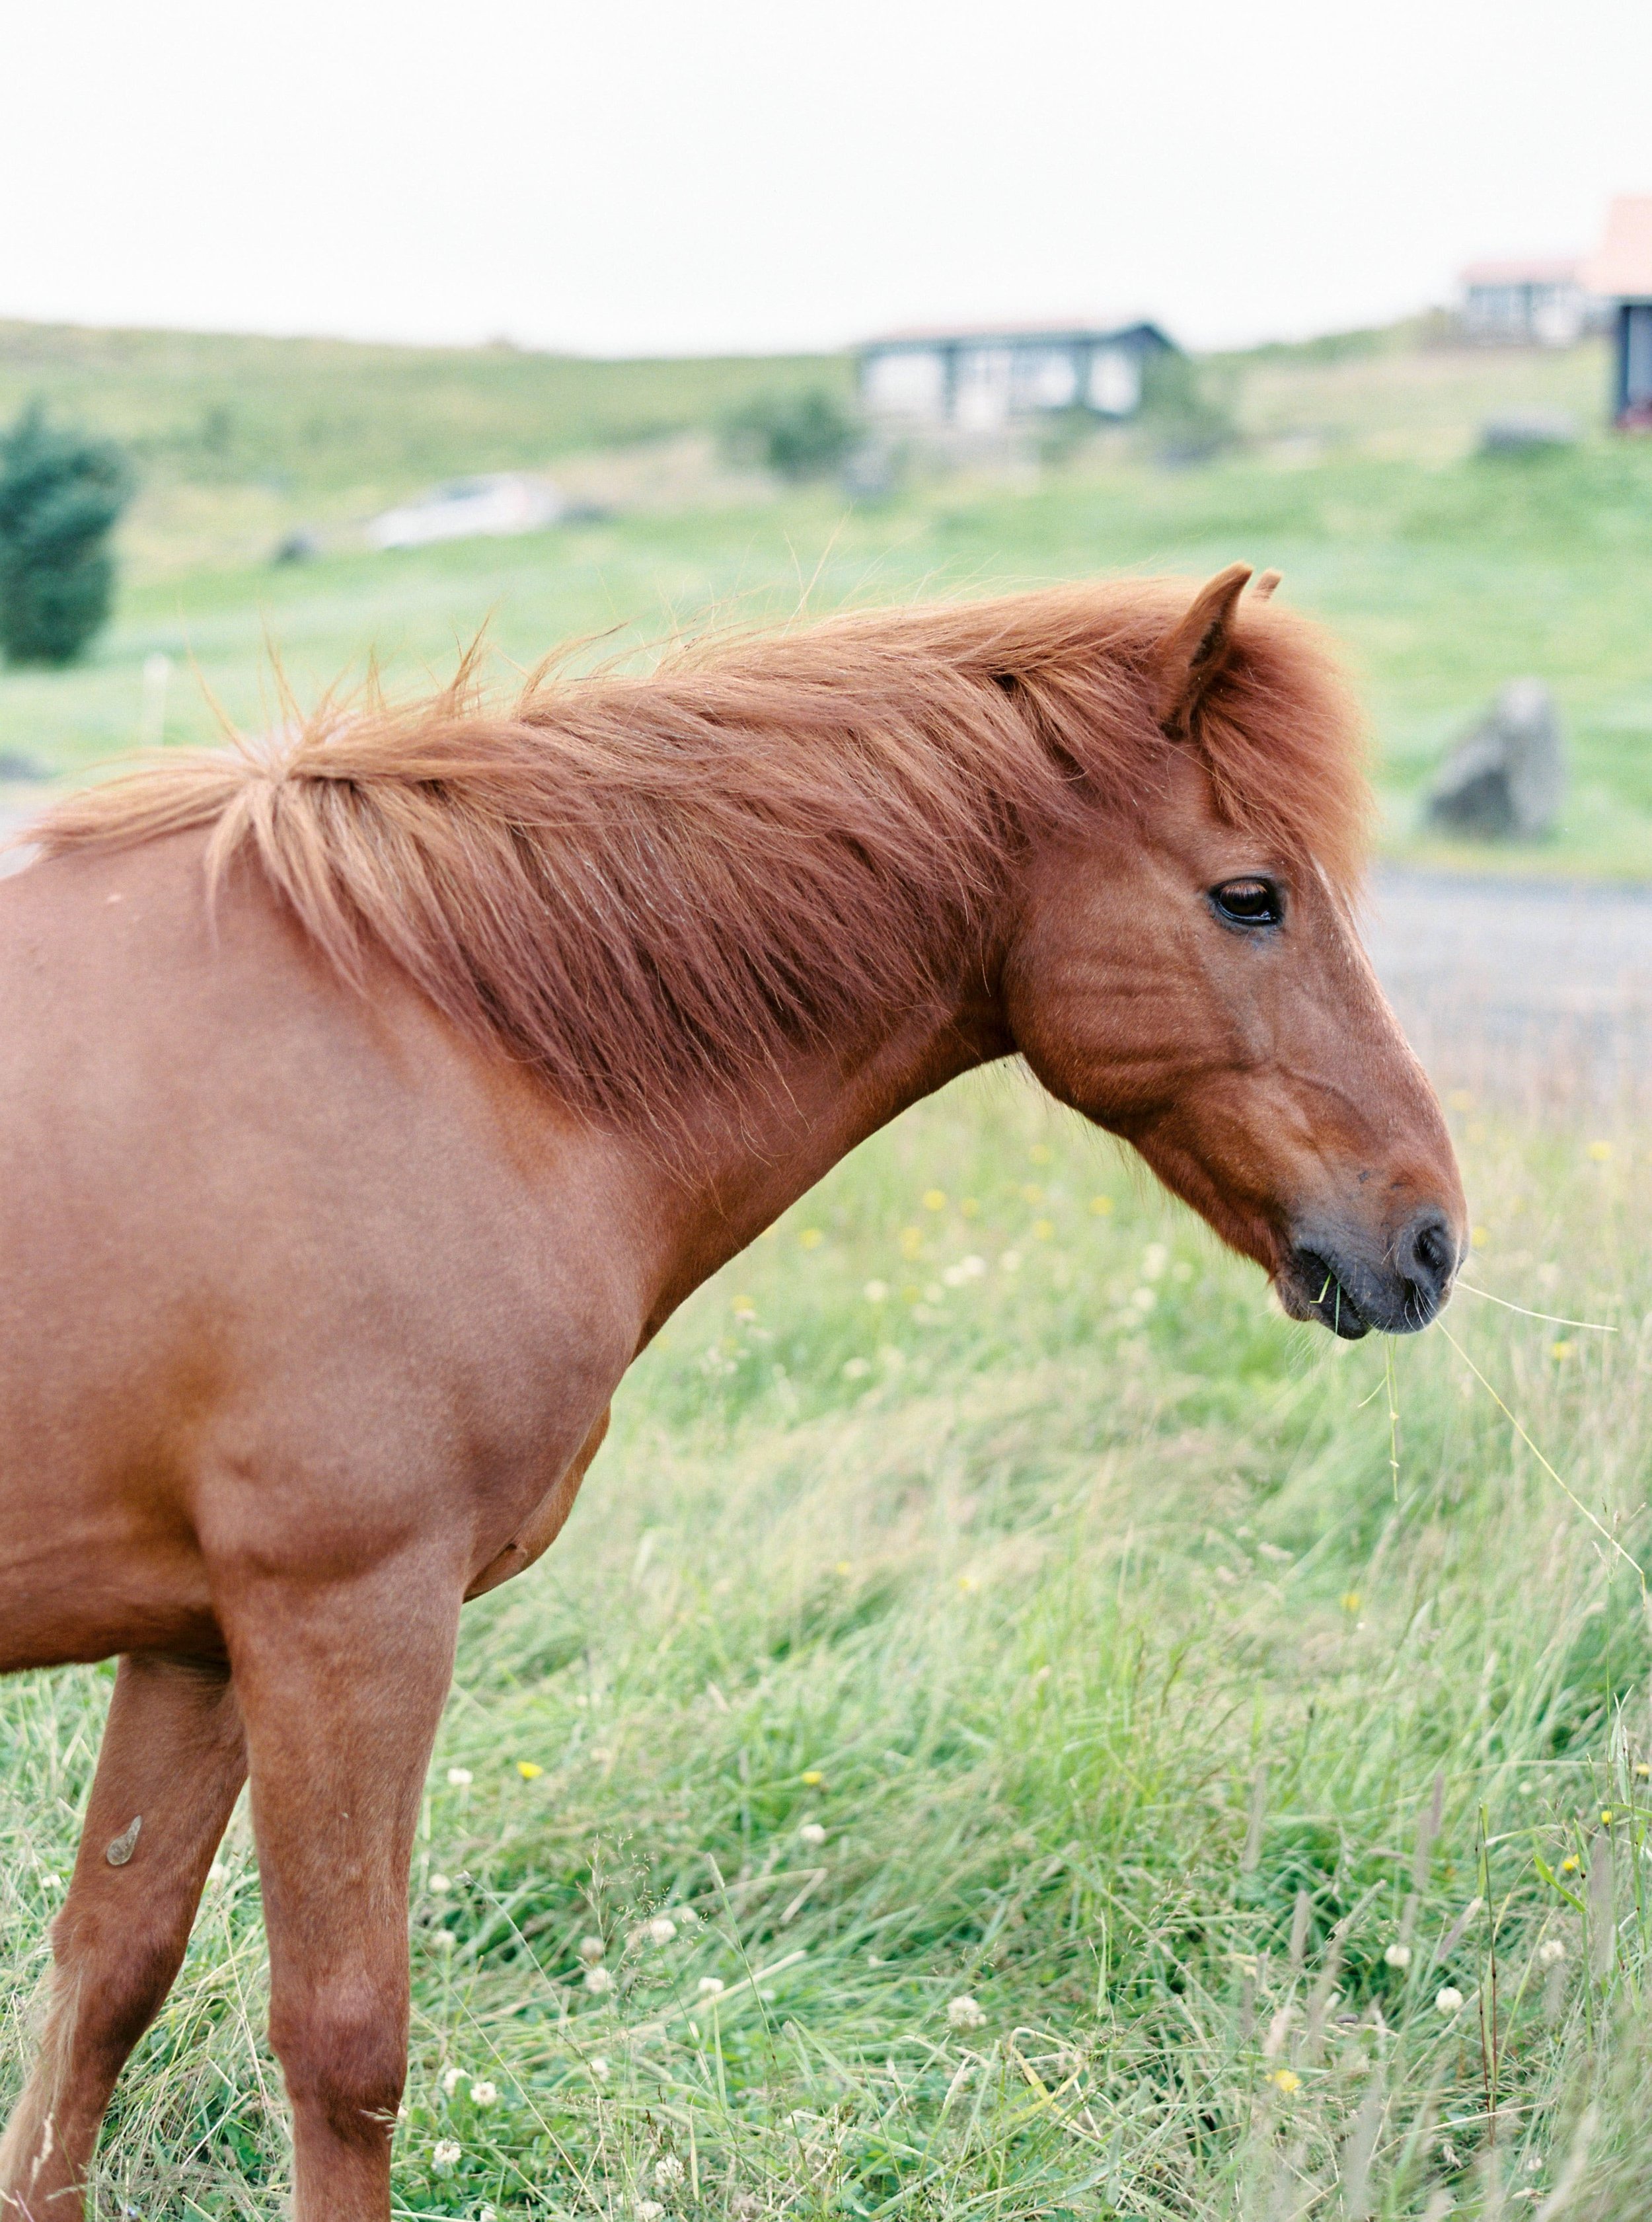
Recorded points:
(1623, 267)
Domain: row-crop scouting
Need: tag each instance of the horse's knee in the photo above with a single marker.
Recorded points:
(342, 2045)
(110, 1981)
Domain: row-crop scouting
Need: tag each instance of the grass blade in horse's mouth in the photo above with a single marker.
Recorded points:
(1332, 1303)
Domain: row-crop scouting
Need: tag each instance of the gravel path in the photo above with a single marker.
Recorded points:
(1534, 993)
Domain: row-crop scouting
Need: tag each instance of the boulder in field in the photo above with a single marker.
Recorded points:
(1506, 778)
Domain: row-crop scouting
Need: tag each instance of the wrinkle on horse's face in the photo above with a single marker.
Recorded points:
(1256, 1066)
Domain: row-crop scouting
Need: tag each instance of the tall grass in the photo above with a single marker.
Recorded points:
(1094, 1732)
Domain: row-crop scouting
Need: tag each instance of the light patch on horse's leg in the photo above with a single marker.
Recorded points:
(169, 1771)
(122, 1848)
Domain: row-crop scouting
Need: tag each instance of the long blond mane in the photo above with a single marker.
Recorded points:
(647, 887)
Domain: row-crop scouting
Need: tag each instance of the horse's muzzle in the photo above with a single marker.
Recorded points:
(1341, 1279)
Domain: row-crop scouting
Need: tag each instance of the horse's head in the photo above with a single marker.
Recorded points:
(1196, 989)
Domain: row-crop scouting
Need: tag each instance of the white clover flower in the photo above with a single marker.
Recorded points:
(668, 2171)
(711, 1986)
(452, 2078)
(459, 1778)
(600, 2068)
(216, 1873)
(1154, 1258)
(811, 1833)
(440, 1885)
(876, 1292)
(1550, 1952)
(1398, 1956)
(597, 1979)
(486, 2214)
(442, 1940)
(686, 1916)
(1448, 1999)
(963, 2013)
(447, 2152)
(647, 2209)
(591, 1950)
(661, 1930)
(484, 2094)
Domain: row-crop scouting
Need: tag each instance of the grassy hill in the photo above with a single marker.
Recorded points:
(311, 417)
(1443, 570)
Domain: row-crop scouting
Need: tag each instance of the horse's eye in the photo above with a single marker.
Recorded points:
(1248, 902)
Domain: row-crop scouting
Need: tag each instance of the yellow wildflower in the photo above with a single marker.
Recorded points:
(529, 1770)
(1283, 2079)
(934, 1199)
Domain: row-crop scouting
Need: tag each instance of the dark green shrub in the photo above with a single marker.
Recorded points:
(60, 494)
(797, 436)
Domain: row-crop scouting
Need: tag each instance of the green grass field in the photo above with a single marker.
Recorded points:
(986, 1596)
(1030, 1732)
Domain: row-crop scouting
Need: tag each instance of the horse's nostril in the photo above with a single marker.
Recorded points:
(1433, 1250)
(1428, 1255)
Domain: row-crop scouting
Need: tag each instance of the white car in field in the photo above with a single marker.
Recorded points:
(496, 505)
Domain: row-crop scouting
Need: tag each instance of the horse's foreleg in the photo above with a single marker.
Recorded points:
(341, 1691)
(171, 1763)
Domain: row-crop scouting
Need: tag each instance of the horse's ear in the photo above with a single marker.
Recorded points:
(1195, 649)
(1265, 587)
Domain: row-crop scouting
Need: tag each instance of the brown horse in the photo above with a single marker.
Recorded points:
(369, 1104)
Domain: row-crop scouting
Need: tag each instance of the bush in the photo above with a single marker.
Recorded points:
(60, 494)
(797, 436)
(1183, 413)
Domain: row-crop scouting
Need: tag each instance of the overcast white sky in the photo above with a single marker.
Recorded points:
(625, 176)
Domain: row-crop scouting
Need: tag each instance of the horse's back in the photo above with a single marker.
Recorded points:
(287, 1273)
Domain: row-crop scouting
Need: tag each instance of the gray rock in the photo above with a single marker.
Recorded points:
(1529, 432)
(1506, 778)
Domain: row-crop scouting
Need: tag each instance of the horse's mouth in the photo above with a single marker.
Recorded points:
(1330, 1303)
(1335, 1279)
(1309, 1289)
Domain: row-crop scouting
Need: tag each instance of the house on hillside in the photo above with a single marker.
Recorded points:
(1621, 273)
(1533, 303)
(977, 378)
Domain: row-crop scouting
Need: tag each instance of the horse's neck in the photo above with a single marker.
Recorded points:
(747, 1162)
